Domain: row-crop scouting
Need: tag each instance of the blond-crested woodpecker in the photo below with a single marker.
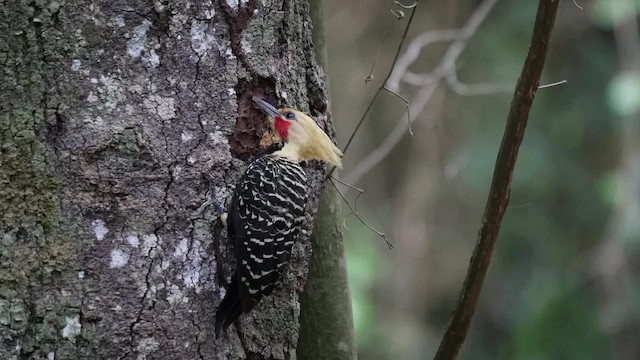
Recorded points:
(268, 207)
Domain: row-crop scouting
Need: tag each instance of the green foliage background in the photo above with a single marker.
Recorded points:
(563, 283)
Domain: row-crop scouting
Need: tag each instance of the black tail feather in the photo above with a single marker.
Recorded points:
(230, 308)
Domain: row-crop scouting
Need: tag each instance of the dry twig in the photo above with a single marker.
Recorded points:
(429, 82)
(399, 14)
(375, 96)
(354, 212)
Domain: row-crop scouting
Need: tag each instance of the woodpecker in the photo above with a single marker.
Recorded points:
(268, 207)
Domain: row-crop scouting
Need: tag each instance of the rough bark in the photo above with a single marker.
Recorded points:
(124, 126)
(326, 319)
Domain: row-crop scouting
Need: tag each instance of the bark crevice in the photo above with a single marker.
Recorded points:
(118, 154)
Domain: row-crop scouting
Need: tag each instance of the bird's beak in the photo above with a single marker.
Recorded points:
(266, 107)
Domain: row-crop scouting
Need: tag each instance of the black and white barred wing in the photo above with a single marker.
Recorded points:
(271, 201)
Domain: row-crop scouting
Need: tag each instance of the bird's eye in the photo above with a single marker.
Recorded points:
(290, 115)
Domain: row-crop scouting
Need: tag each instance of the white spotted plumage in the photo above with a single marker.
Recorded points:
(268, 208)
(265, 215)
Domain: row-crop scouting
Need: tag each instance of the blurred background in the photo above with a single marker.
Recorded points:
(563, 283)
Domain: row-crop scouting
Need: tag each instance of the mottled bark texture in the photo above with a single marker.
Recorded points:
(124, 126)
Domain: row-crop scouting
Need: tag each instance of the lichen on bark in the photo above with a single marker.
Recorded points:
(37, 251)
(120, 147)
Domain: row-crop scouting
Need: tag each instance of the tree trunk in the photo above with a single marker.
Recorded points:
(124, 126)
(326, 320)
(326, 323)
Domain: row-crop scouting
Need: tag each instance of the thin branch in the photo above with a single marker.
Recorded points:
(394, 137)
(354, 208)
(498, 199)
(347, 184)
(486, 88)
(414, 49)
(464, 34)
(406, 104)
(475, 89)
(360, 192)
(578, 6)
(375, 59)
(399, 14)
(375, 96)
(410, 6)
(354, 212)
(417, 105)
(562, 82)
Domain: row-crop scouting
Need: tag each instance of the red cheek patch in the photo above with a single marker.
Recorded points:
(282, 126)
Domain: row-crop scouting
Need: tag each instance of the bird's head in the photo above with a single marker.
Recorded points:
(304, 140)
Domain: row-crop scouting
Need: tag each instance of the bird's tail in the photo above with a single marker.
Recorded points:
(230, 308)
